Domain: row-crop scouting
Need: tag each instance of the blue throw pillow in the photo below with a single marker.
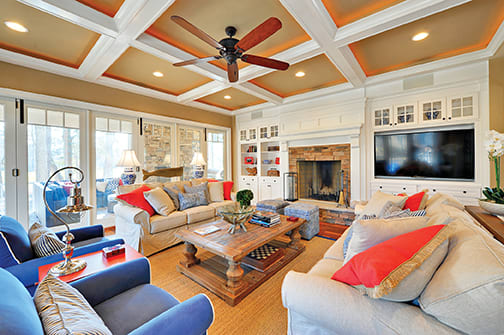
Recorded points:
(189, 200)
(203, 187)
(7, 257)
(17, 238)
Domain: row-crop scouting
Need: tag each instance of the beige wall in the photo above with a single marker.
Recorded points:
(497, 104)
(25, 79)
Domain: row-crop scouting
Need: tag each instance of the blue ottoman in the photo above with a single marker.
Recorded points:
(275, 206)
(308, 212)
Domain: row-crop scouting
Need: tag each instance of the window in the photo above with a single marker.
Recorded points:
(189, 142)
(216, 154)
(53, 142)
(157, 148)
(2, 159)
(112, 137)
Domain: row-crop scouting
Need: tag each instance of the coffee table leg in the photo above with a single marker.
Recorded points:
(295, 240)
(234, 274)
(190, 255)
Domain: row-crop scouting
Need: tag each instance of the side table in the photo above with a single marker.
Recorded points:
(491, 223)
(95, 263)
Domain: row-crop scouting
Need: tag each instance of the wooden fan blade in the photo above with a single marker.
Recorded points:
(197, 60)
(232, 72)
(266, 62)
(259, 34)
(195, 31)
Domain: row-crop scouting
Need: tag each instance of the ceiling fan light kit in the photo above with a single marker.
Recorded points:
(232, 49)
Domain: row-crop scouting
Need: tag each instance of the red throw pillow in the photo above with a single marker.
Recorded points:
(228, 186)
(212, 180)
(379, 269)
(414, 201)
(136, 198)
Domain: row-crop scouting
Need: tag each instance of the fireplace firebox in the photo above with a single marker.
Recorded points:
(320, 180)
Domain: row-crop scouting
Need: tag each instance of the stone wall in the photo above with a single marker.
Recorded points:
(339, 152)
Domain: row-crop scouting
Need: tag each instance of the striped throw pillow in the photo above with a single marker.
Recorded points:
(420, 212)
(64, 310)
(44, 242)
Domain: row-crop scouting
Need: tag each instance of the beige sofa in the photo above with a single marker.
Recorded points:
(465, 295)
(150, 234)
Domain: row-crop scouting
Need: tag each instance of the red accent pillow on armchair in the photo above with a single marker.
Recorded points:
(136, 198)
(228, 187)
(381, 268)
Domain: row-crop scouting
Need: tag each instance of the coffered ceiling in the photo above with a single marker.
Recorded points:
(337, 44)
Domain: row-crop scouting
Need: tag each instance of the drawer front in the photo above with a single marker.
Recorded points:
(393, 188)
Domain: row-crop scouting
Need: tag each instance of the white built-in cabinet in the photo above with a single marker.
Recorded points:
(430, 111)
(260, 149)
(467, 193)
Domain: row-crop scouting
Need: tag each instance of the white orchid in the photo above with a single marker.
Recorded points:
(495, 144)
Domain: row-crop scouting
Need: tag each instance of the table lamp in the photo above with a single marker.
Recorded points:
(129, 161)
(75, 204)
(199, 165)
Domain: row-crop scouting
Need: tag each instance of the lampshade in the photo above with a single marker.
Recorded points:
(197, 159)
(128, 159)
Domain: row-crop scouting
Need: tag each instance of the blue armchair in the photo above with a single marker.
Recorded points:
(123, 297)
(87, 239)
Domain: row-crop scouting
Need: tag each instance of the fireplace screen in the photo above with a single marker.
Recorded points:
(320, 180)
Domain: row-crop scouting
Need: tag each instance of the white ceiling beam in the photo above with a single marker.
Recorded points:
(293, 55)
(138, 23)
(392, 17)
(77, 13)
(163, 50)
(496, 41)
(313, 17)
(128, 10)
(202, 91)
(259, 92)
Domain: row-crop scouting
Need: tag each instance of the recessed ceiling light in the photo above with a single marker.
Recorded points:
(16, 26)
(157, 74)
(300, 74)
(420, 36)
(227, 97)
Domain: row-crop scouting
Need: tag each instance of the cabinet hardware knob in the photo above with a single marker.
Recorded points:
(444, 118)
(404, 188)
(449, 118)
(464, 192)
(433, 190)
(381, 187)
(395, 123)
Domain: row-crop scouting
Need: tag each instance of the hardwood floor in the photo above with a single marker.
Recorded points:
(261, 312)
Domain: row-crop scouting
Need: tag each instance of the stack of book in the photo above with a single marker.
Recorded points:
(265, 219)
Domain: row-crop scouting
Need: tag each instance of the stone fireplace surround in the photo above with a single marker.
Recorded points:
(336, 152)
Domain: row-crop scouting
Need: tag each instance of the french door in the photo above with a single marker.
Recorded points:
(8, 195)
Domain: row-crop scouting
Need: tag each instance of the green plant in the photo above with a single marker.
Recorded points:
(244, 197)
(494, 194)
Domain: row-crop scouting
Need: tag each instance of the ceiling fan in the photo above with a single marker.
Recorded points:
(232, 49)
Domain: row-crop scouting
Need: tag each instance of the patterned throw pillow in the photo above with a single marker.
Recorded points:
(189, 200)
(420, 212)
(44, 242)
(63, 309)
(203, 187)
(173, 192)
(404, 213)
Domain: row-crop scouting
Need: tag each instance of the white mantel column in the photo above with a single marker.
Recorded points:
(355, 169)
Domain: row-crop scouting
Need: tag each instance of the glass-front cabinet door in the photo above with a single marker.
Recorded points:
(462, 107)
(382, 117)
(273, 133)
(405, 114)
(432, 111)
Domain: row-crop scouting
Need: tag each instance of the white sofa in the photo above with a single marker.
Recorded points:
(150, 234)
(466, 292)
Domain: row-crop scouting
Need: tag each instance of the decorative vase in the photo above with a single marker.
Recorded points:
(492, 207)
(128, 177)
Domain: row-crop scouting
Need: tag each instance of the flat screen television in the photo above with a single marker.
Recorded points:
(439, 155)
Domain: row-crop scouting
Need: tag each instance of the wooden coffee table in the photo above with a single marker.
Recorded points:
(221, 271)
